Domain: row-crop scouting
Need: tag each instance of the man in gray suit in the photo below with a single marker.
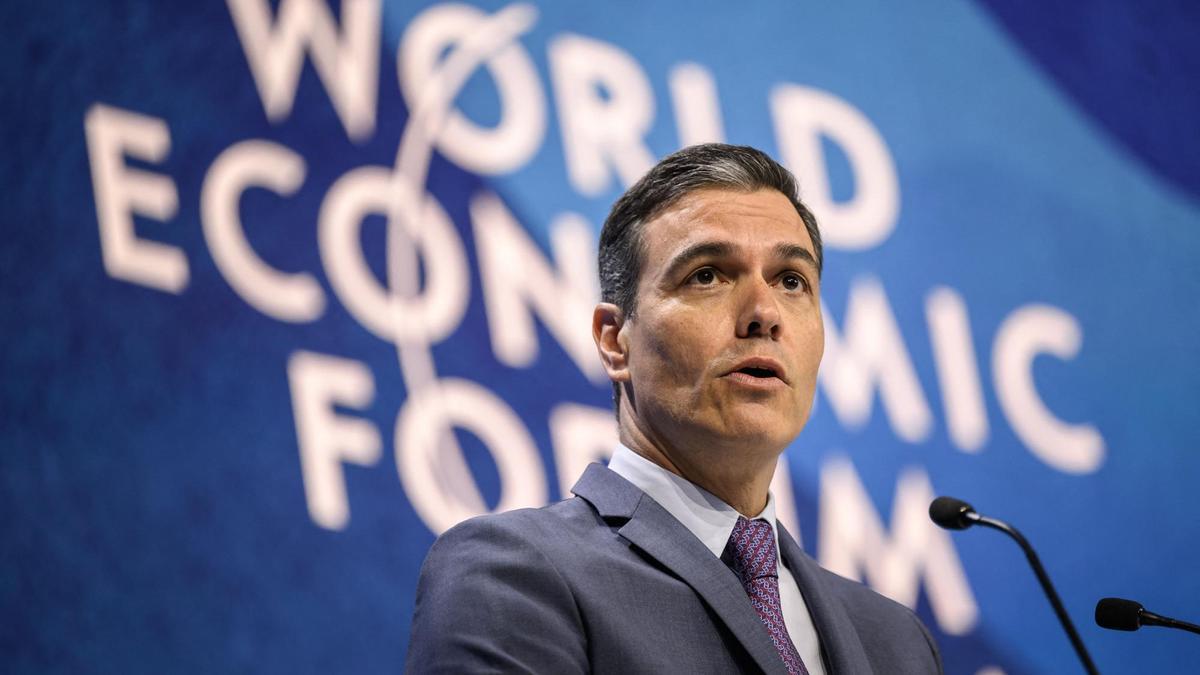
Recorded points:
(670, 560)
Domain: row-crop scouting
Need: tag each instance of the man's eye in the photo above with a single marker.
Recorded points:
(793, 282)
(704, 277)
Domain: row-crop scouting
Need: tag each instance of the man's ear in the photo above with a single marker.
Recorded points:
(607, 323)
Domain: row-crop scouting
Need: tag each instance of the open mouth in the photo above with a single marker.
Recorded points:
(758, 372)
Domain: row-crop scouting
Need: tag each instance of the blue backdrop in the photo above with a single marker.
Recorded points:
(250, 372)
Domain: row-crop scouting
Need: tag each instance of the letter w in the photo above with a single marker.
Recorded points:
(347, 62)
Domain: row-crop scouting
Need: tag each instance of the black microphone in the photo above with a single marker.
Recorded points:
(955, 514)
(1121, 614)
(952, 514)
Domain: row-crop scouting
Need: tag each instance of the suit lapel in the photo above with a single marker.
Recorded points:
(839, 639)
(656, 532)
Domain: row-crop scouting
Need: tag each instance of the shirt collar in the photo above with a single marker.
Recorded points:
(697, 509)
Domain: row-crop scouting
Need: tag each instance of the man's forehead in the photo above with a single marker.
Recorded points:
(725, 221)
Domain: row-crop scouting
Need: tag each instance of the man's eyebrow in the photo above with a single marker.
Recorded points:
(794, 252)
(719, 249)
(703, 249)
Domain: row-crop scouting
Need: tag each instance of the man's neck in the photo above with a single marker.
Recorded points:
(738, 479)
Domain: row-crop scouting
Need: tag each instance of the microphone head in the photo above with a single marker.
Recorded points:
(951, 513)
(1119, 614)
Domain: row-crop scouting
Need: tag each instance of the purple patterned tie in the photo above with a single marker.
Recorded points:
(752, 544)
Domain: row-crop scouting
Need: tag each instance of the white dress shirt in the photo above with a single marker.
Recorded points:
(712, 521)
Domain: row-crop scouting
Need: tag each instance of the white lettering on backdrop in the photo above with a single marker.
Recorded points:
(605, 106)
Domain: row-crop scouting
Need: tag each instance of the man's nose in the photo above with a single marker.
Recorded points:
(758, 311)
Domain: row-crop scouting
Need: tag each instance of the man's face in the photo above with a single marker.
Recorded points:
(727, 335)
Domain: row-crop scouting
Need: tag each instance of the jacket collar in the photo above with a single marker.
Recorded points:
(844, 652)
(652, 529)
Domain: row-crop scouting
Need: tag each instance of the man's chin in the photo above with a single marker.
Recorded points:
(766, 434)
(759, 427)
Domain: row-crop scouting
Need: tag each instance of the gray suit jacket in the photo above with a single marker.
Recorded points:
(609, 582)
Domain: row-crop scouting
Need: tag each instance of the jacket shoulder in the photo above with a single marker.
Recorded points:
(491, 595)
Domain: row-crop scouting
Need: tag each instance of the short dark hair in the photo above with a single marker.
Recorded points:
(710, 165)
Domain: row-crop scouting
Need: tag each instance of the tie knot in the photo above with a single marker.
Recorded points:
(752, 544)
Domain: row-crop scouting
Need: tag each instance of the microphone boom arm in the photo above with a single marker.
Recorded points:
(1151, 619)
(1044, 580)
